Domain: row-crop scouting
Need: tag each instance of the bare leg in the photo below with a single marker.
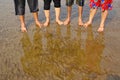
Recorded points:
(57, 13)
(36, 19)
(91, 16)
(22, 21)
(103, 18)
(80, 10)
(67, 21)
(47, 15)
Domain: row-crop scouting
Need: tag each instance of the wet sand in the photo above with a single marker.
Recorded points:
(59, 52)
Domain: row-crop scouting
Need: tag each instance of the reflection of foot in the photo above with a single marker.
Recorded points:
(66, 22)
(80, 23)
(59, 22)
(23, 28)
(46, 23)
(38, 24)
(87, 24)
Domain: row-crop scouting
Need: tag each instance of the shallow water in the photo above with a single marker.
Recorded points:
(59, 52)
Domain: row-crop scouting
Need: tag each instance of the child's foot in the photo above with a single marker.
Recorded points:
(101, 28)
(59, 22)
(66, 22)
(46, 23)
(87, 24)
(80, 23)
(23, 28)
(38, 24)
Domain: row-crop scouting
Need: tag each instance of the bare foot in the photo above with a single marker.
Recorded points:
(46, 23)
(23, 28)
(101, 28)
(87, 24)
(66, 22)
(59, 22)
(80, 23)
(38, 24)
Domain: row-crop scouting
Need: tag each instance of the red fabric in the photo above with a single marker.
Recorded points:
(104, 4)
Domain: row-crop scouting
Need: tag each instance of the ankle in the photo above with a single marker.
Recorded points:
(37, 21)
(22, 24)
(47, 21)
(68, 18)
(79, 19)
(89, 22)
(101, 25)
(57, 20)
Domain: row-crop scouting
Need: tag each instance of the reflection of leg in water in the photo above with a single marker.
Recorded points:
(32, 59)
(89, 40)
(67, 40)
(74, 55)
(37, 42)
(26, 43)
(58, 31)
(49, 39)
(100, 38)
(94, 49)
(80, 55)
(68, 32)
(53, 39)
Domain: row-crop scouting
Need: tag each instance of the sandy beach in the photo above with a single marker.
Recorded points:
(59, 52)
